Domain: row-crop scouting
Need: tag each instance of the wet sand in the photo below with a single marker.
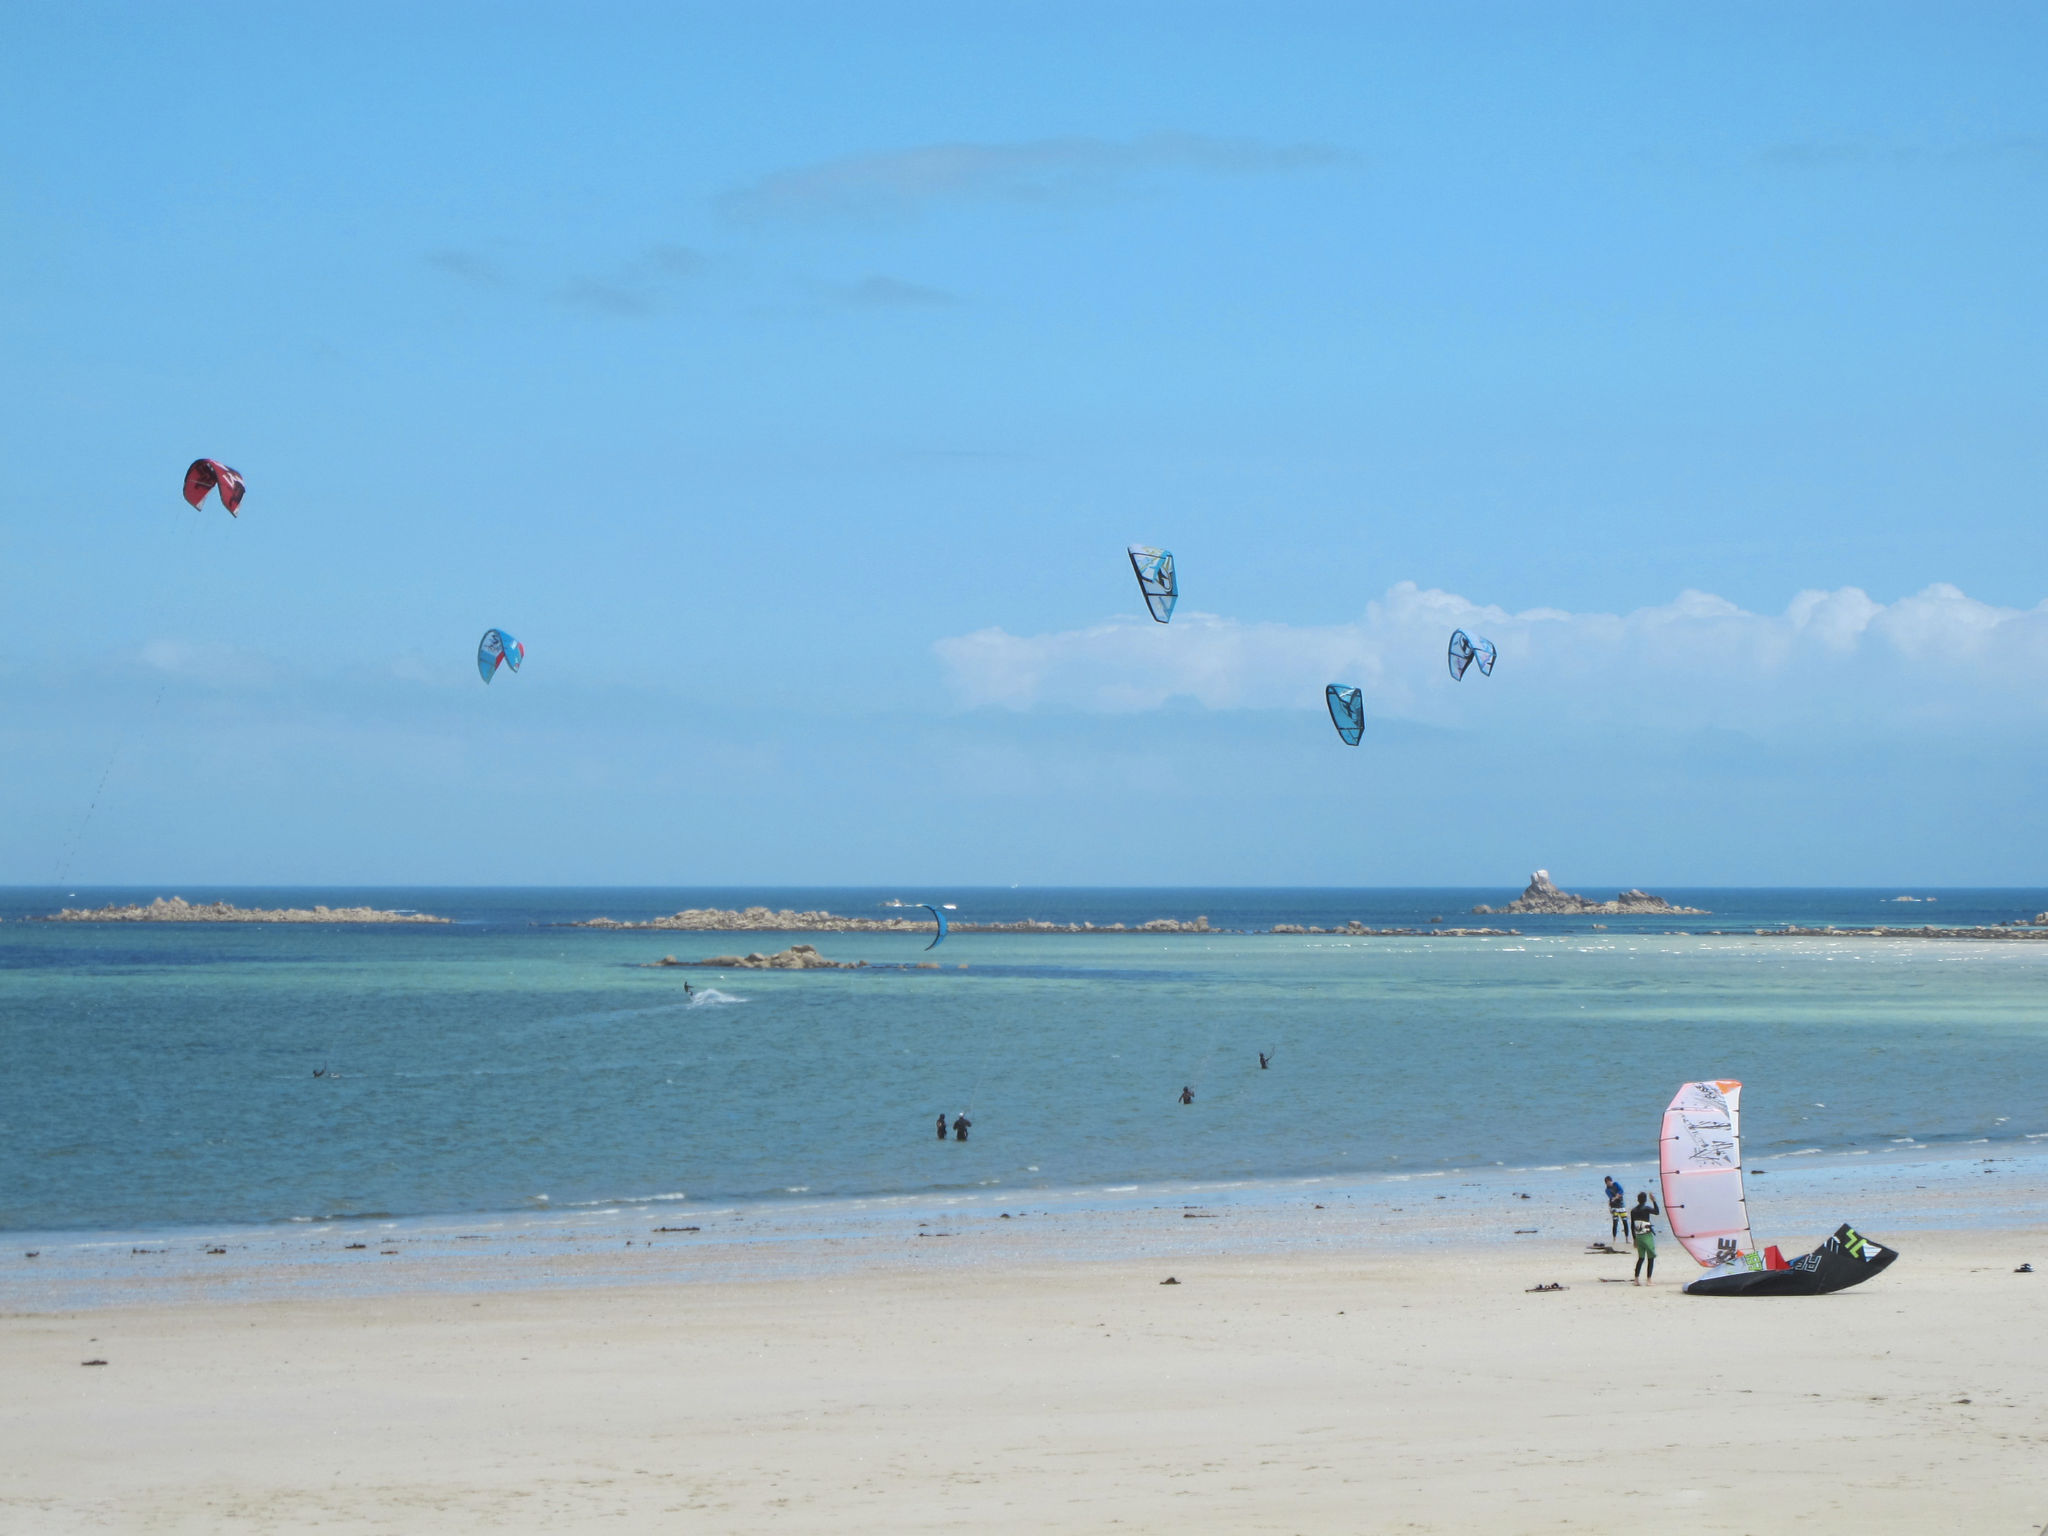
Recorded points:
(1341, 1390)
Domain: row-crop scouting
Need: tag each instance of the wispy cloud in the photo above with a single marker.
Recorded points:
(878, 292)
(1699, 660)
(471, 268)
(640, 287)
(1826, 154)
(900, 182)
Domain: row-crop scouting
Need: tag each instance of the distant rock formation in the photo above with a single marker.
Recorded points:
(1542, 899)
(798, 957)
(178, 910)
(763, 920)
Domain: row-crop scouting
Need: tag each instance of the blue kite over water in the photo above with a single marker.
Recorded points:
(1347, 712)
(1156, 579)
(1465, 650)
(497, 649)
(938, 913)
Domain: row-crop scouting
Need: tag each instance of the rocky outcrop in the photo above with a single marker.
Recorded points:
(1542, 899)
(798, 957)
(178, 910)
(765, 920)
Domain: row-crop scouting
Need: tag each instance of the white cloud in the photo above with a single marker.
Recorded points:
(899, 182)
(1695, 661)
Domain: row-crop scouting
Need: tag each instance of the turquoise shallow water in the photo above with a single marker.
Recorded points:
(164, 1075)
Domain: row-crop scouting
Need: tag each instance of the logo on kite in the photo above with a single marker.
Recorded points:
(1347, 712)
(938, 913)
(1156, 579)
(498, 649)
(1465, 651)
(210, 474)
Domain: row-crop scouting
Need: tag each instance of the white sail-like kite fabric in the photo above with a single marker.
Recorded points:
(1701, 1159)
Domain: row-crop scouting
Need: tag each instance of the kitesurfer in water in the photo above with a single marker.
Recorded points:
(960, 1124)
(1617, 1208)
(1645, 1234)
(1187, 1095)
(942, 1127)
(1264, 1060)
(688, 991)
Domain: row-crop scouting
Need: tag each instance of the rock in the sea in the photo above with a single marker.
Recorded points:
(798, 957)
(1542, 899)
(178, 910)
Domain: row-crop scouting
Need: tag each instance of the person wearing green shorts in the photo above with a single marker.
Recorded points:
(1645, 1234)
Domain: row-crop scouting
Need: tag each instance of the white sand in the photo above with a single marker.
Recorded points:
(1304, 1393)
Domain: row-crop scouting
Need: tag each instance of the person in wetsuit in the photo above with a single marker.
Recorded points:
(942, 1127)
(1264, 1059)
(1645, 1234)
(1187, 1095)
(960, 1124)
(1617, 1209)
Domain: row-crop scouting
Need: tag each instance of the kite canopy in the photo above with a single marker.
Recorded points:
(1700, 1156)
(1156, 579)
(1848, 1258)
(1465, 650)
(498, 649)
(1347, 712)
(938, 913)
(210, 474)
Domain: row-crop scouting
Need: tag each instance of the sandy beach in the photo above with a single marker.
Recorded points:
(1342, 1391)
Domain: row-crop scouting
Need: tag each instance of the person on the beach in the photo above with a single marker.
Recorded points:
(1187, 1095)
(1645, 1234)
(960, 1124)
(942, 1127)
(1617, 1209)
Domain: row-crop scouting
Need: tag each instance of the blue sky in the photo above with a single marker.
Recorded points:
(790, 379)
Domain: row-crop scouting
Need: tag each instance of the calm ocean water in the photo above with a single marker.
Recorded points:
(164, 1074)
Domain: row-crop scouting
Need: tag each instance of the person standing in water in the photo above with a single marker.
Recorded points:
(960, 1124)
(942, 1127)
(1617, 1209)
(1645, 1234)
(1264, 1061)
(1187, 1095)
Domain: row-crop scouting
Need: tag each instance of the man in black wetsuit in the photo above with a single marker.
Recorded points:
(1187, 1095)
(1645, 1234)
(1263, 1060)
(942, 1127)
(960, 1124)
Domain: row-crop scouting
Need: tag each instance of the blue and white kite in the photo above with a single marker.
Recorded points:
(1347, 712)
(938, 913)
(1156, 579)
(498, 649)
(1464, 651)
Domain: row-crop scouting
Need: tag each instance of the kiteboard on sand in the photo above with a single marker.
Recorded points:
(1700, 1158)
